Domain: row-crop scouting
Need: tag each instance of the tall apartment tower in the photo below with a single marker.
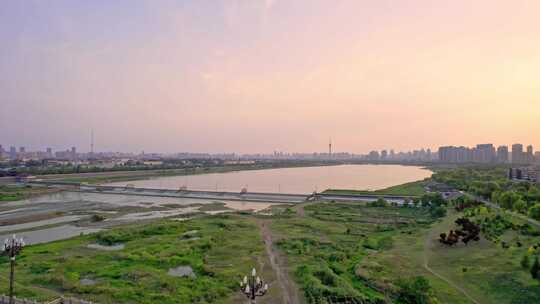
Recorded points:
(502, 154)
(530, 154)
(73, 153)
(12, 152)
(517, 154)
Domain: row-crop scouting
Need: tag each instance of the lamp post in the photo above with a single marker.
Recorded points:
(253, 286)
(12, 247)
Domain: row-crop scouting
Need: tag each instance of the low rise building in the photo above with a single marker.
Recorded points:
(530, 174)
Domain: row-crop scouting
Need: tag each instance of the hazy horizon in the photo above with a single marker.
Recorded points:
(264, 75)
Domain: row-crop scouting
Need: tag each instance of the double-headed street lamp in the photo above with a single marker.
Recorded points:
(12, 247)
(253, 286)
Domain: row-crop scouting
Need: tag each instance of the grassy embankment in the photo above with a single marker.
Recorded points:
(220, 250)
(16, 193)
(410, 189)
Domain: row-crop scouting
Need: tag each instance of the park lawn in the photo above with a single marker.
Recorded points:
(410, 189)
(489, 272)
(221, 251)
(492, 274)
(326, 246)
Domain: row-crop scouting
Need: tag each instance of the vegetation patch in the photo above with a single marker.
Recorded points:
(226, 248)
(330, 244)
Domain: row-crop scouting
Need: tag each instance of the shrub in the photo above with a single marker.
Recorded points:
(534, 211)
(415, 290)
(97, 218)
(525, 262)
(535, 269)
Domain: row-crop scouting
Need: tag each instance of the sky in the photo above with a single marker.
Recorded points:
(254, 76)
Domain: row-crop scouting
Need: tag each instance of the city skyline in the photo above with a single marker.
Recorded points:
(222, 75)
(516, 153)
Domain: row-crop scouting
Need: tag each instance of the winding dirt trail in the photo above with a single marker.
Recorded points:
(288, 287)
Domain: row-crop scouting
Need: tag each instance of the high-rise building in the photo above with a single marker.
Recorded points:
(517, 154)
(22, 150)
(484, 153)
(373, 155)
(530, 154)
(73, 153)
(12, 152)
(502, 154)
(49, 153)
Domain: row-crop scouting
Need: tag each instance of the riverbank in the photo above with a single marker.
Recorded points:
(10, 193)
(417, 188)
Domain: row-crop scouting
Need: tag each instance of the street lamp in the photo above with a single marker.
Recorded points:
(12, 247)
(253, 286)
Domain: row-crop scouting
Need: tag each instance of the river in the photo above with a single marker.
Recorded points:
(301, 180)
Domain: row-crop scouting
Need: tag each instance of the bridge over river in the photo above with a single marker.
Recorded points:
(221, 195)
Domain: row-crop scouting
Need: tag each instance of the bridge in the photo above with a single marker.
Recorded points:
(261, 197)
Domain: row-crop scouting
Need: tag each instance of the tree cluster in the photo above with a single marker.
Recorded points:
(469, 232)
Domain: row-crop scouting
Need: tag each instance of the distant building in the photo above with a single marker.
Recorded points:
(12, 152)
(503, 154)
(152, 162)
(373, 155)
(517, 154)
(451, 154)
(530, 174)
(530, 154)
(484, 153)
(73, 153)
(384, 155)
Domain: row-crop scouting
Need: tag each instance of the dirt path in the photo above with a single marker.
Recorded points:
(287, 286)
(427, 245)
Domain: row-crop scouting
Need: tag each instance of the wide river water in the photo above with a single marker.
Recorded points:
(293, 180)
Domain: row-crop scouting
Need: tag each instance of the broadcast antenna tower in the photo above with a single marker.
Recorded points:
(92, 142)
(330, 148)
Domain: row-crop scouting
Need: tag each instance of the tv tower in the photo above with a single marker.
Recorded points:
(91, 142)
(330, 148)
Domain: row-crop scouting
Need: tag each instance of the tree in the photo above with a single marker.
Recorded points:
(438, 211)
(535, 269)
(380, 203)
(525, 262)
(520, 206)
(534, 211)
(508, 198)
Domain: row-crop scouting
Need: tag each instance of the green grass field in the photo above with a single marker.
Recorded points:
(328, 245)
(412, 189)
(17, 193)
(333, 251)
(220, 250)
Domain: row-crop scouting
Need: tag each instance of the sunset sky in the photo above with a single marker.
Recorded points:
(265, 75)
